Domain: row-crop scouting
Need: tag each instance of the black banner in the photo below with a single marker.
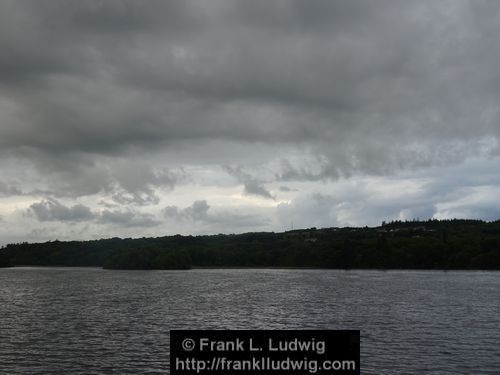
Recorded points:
(214, 352)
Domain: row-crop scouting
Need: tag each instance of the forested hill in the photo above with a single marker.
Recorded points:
(450, 244)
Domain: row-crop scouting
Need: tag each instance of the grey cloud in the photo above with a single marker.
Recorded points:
(127, 218)
(79, 174)
(485, 210)
(52, 210)
(198, 211)
(381, 158)
(324, 210)
(346, 75)
(138, 182)
(289, 172)
(110, 100)
(124, 16)
(316, 210)
(8, 190)
(233, 221)
(251, 185)
(287, 189)
(221, 221)
(71, 175)
(465, 191)
(142, 198)
(108, 205)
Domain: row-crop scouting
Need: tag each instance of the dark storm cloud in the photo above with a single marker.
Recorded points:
(113, 100)
(80, 174)
(366, 79)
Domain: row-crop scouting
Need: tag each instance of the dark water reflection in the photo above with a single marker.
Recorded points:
(92, 321)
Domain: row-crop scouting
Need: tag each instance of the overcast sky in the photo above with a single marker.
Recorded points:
(150, 118)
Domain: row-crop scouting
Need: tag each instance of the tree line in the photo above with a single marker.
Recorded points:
(432, 244)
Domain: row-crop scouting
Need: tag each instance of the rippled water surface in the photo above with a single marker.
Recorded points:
(92, 321)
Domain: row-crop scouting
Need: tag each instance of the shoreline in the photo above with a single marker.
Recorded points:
(261, 268)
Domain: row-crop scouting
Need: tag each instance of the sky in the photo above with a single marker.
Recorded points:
(152, 118)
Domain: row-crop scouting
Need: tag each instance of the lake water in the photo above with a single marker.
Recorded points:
(93, 321)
